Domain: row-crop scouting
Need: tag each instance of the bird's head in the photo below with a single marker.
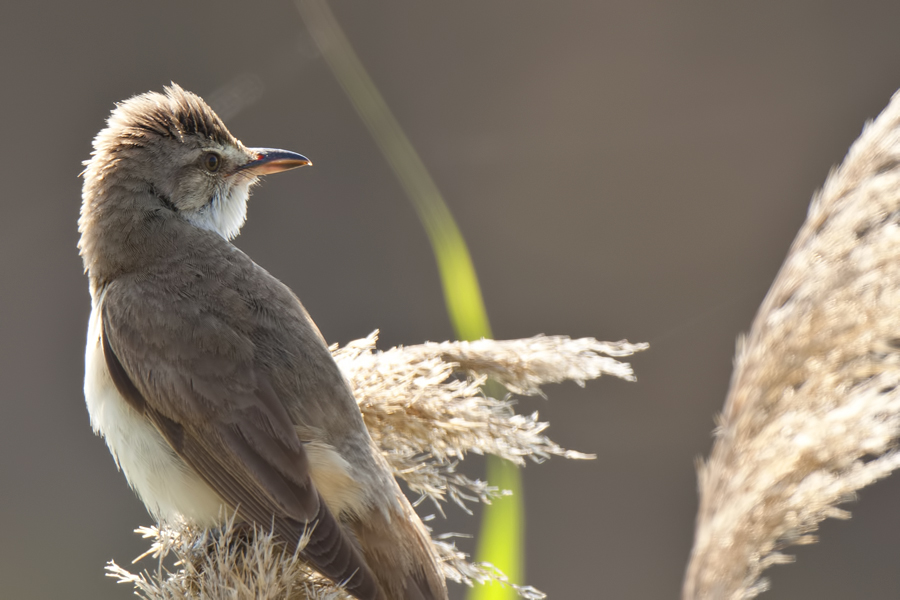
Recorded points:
(173, 149)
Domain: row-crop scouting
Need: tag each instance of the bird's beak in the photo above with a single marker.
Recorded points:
(269, 160)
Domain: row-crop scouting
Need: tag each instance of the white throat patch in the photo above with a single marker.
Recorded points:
(226, 212)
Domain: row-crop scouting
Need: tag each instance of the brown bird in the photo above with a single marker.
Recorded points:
(212, 386)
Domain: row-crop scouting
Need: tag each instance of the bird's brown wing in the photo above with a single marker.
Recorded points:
(198, 382)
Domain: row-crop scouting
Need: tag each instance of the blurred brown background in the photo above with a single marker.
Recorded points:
(623, 168)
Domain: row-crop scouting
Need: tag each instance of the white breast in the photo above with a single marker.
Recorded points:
(166, 485)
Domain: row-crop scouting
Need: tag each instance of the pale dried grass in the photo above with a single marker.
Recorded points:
(813, 413)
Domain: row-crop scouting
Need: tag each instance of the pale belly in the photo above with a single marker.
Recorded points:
(166, 485)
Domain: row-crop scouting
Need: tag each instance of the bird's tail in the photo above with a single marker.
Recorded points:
(400, 553)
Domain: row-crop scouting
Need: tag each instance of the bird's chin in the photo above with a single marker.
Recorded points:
(225, 214)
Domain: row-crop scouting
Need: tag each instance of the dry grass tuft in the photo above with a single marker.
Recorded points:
(813, 413)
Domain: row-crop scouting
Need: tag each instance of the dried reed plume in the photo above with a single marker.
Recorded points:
(813, 413)
(425, 408)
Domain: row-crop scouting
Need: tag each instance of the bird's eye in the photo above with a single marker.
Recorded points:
(211, 162)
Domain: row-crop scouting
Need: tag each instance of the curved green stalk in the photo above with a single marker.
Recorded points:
(503, 522)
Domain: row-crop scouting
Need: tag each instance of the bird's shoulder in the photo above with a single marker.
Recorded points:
(213, 325)
(212, 290)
